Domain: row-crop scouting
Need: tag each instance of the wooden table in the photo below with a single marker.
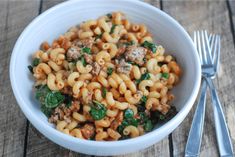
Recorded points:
(19, 138)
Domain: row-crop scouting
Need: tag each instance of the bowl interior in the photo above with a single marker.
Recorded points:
(59, 19)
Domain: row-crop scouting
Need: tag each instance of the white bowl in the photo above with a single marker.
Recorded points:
(57, 20)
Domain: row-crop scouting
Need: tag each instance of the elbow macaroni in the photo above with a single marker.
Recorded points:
(93, 74)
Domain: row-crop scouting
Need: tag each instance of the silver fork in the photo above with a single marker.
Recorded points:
(208, 71)
(222, 132)
(195, 134)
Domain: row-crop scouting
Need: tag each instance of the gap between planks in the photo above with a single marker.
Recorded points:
(214, 17)
(40, 146)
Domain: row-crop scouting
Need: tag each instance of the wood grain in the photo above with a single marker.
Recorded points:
(160, 149)
(212, 16)
(38, 145)
(193, 15)
(12, 120)
(231, 8)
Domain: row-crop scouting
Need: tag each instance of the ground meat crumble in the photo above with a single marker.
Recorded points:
(136, 54)
(88, 131)
(73, 53)
(85, 42)
(63, 113)
(123, 66)
(95, 68)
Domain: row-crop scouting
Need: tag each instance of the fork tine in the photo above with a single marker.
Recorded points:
(217, 53)
(195, 38)
(204, 56)
(196, 44)
(208, 48)
(210, 38)
(212, 42)
(199, 49)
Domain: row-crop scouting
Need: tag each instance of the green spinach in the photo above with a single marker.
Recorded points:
(104, 92)
(128, 120)
(49, 99)
(99, 36)
(98, 110)
(128, 113)
(35, 62)
(109, 15)
(129, 43)
(112, 28)
(47, 111)
(150, 46)
(68, 100)
(144, 99)
(148, 126)
(145, 76)
(41, 93)
(109, 71)
(142, 117)
(30, 69)
(84, 63)
(165, 75)
(86, 50)
(53, 99)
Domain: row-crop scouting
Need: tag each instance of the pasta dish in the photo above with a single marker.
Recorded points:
(105, 80)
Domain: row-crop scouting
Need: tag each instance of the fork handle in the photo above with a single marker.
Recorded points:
(195, 135)
(222, 133)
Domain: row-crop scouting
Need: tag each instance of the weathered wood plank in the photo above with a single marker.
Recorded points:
(231, 5)
(38, 145)
(212, 16)
(160, 149)
(12, 120)
(48, 4)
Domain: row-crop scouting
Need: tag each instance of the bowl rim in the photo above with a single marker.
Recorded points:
(53, 132)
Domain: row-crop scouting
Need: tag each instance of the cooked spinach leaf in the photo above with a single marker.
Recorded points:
(98, 110)
(86, 50)
(47, 111)
(145, 76)
(104, 92)
(35, 62)
(49, 99)
(53, 99)
(109, 71)
(165, 75)
(30, 69)
(148, 126)
(84, 63)
(129, 43)
(41, 93)
(68, 100)
(128, 120)
(112, 28)
(109, 15)
(99, 36)
(150, 46)
(128, 113)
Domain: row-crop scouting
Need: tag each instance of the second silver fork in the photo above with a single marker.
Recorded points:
(195, 135)
(209, 68)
